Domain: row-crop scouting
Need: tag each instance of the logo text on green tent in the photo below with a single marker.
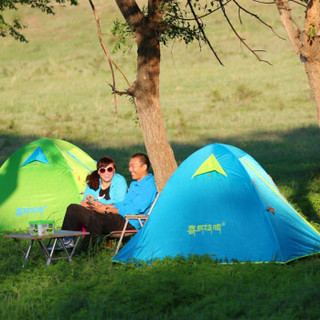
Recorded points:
(27, 211)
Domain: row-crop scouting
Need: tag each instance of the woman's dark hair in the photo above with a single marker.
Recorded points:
(93, 178)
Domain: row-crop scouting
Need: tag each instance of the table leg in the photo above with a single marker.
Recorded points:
(49, 255)
(48, 252)
(26, 257)
(51, 251)
(74, 248)
(45, 251)
(69, 255)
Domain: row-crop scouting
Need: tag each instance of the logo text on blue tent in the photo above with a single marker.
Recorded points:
(34, 210)
(202, 228)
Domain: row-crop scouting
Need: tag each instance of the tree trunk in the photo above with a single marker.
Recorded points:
(147, 97)
(313, 72)
(310, 50)
(306, 43)
(146, 89)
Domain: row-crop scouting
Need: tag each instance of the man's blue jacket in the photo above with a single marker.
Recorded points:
(139, 198)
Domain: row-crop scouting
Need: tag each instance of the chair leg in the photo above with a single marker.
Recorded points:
(121, 237)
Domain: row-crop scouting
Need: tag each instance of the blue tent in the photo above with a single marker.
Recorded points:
(220, 202)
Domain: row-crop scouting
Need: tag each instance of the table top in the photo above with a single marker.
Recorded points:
(56, 234)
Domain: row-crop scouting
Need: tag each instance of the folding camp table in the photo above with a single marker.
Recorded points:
(47, 249)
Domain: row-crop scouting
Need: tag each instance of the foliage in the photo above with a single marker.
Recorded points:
(312, 31)
(121, 32)
(13, 27)
(178, 22)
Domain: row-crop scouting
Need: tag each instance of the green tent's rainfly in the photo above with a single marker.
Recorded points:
(40, 180)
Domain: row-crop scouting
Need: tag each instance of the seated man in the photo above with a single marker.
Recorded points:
(105, 217)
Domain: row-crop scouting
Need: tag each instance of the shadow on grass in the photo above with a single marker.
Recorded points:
(290, 157)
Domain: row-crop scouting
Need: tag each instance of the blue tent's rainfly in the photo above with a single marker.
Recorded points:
(220, 202)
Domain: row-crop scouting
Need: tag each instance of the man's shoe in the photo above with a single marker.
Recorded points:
(68, 243)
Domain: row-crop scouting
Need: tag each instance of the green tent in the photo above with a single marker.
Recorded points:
(40, 180)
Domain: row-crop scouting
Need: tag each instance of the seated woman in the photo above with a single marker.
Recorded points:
(105, 185)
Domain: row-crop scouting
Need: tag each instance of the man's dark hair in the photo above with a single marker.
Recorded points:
(143, 159)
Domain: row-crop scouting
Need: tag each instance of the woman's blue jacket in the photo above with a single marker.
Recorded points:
(118, 190)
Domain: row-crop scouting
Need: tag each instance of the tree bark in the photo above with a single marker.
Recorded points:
(306, 43)
(310, 51)
(146, 88)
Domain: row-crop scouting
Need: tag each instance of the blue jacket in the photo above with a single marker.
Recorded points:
(118, 190)
(139, 198)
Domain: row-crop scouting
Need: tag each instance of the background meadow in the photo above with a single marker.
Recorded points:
(56, 86)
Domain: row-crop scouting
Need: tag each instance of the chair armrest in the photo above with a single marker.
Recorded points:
(137, 216)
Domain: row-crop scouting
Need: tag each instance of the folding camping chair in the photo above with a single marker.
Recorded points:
(142, 218)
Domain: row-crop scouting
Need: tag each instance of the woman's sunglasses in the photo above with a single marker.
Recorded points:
(103, 170)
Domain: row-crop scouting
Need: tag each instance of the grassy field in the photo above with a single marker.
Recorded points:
(57, 86)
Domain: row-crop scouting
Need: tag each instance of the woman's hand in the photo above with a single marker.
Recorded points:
(85, 204)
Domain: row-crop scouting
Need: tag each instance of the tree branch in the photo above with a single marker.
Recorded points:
(299, 3)
(120, 93)
(256, 17)
(263, 2)
(111, 62)
(238, 36)
(199, 17)
(202, 31)
(288, 22)
(131, 12)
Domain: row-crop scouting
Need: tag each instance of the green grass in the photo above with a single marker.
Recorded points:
(199, 288)
(57, 87)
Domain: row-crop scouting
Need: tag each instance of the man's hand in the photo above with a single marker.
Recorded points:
(99, 207)
(112, 210)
